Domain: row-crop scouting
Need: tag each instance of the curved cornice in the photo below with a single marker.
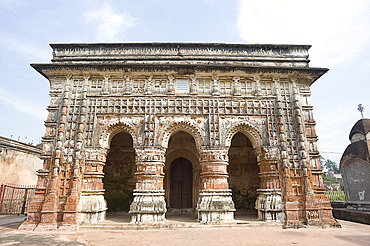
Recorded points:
(49, 70)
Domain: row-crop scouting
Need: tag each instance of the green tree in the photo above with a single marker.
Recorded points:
(332, 166)
(329, 179)
(329, 165)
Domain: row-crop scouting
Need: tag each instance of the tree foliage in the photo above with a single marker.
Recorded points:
(329, 179)
(329, 165)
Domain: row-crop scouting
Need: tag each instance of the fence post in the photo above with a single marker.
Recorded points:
(2, 191)
(11, 200)
(24, 201)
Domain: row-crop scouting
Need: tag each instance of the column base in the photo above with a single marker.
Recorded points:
(269, 205)
(215, 206)
(91, 208)
(148, 207)
(46, 227)
(28, 226)
(318, 210)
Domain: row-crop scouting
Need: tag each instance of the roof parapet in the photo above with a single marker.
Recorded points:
(183, 53)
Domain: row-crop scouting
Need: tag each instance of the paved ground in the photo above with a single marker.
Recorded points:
(351, 234)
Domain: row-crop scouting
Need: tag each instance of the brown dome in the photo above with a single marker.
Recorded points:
(357, 149)
(362, 126)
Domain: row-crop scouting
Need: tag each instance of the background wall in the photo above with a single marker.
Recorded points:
(18, 162)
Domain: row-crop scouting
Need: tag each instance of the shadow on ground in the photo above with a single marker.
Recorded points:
(10, 236)
(356, 239)
(31, 239)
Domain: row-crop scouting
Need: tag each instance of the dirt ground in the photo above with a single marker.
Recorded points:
(350, 234)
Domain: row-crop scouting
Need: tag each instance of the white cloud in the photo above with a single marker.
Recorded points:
(10, 4)
(26, 48)
(110, 26)
(21, 105)
(336, 29)
(209, 1)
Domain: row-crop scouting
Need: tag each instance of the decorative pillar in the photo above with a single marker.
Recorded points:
(215, 85)
(49, 210)
(317, 207)
(194, 85)
(269, 203)
(70, 212)
(149, 205)
(258, 90)
(171, 85)
(127, 85)
(237, 86)
(215, 203)
(92, 205)
(35, 206)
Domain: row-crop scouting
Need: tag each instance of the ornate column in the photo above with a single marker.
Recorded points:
(35, 206)
(92, 205)
(51, 124)
(49, 209)
(269, 203)
(317, 208)
(215, 203)
(70, 213)
(149, 204)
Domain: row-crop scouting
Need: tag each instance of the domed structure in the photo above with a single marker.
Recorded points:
(360, 130)
(355, 166)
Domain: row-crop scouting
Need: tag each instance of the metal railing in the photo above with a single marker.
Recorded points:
(14, 199)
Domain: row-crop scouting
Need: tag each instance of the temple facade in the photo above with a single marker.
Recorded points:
(148, 128)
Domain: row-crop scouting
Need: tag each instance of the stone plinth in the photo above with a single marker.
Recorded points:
(148, 207)
(269, 205)
(215, 206)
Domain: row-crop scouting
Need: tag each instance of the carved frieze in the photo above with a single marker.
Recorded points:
(92, 155)
(214, 155)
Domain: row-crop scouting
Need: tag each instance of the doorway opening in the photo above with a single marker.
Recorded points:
(119, 173)
(243, 175)
(181, 184)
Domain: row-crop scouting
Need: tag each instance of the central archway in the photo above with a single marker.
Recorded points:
(182, 173)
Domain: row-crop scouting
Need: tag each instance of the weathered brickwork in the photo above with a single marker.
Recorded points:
(175, 101)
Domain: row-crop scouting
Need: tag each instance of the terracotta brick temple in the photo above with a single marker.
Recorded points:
(147, 128)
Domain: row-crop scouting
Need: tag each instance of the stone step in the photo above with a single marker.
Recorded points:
(174, 225)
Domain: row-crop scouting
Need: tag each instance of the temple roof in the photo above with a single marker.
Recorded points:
(184, 53)
(187, 58)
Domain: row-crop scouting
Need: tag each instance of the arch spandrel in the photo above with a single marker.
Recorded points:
(248, 129)
(188, 126)
(183, 154)
(110, 130)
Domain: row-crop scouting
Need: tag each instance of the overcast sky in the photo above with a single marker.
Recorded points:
(337, 30)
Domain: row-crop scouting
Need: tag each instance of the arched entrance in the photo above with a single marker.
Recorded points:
(181, 184)
(119, 173)
(243, 174)
(182, 170)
